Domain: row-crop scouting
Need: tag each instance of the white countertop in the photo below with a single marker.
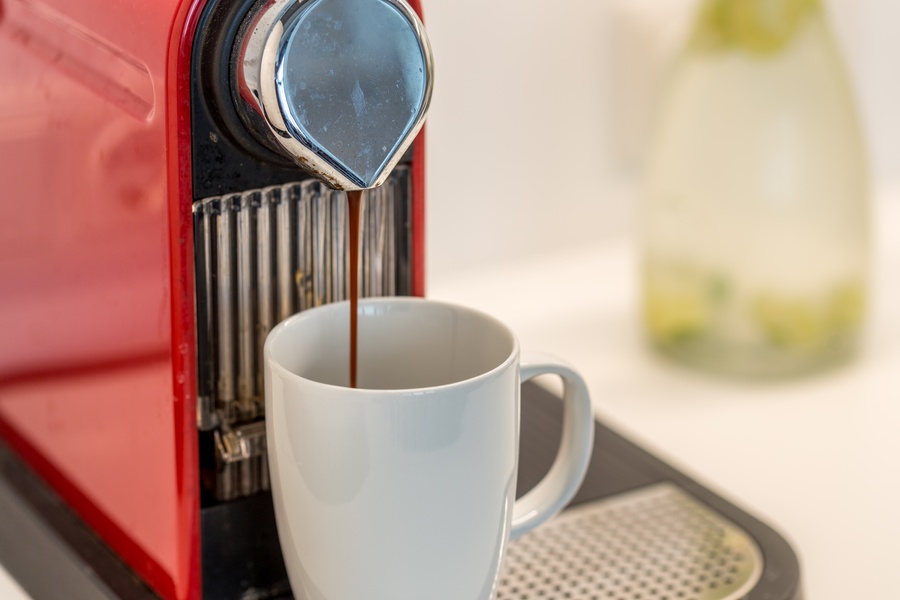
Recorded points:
(9, 587)
(816, 458)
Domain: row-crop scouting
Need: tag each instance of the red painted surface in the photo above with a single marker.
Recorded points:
(97, 351)
(96, 371)
(418, 201)
(184, 350)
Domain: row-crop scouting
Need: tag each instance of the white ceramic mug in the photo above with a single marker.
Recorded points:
(404, 489)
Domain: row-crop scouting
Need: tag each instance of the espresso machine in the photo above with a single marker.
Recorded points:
(167, 201)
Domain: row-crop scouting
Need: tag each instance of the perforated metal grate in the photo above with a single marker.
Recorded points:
(656, 543)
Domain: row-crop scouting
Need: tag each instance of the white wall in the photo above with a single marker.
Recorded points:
(522, 153)
(517, 134)
(870, 30)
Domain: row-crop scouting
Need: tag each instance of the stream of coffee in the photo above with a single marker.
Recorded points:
(355, 208)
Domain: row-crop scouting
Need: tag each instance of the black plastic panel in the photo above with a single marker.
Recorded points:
(226, 158)
(257, 571)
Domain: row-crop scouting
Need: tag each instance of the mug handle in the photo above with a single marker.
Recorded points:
(558, 486)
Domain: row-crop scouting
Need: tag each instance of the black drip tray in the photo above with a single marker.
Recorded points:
(637, 529)
(654, 542)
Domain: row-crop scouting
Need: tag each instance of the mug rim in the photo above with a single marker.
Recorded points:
(276, 365)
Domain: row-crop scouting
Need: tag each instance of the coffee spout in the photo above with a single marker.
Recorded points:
(341, 87)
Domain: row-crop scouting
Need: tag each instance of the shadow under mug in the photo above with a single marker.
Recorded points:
(404, 488)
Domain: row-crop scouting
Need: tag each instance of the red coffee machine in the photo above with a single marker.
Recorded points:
(149, 238)
(154, 225)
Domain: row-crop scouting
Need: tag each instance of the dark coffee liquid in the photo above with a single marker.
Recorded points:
(355, 206)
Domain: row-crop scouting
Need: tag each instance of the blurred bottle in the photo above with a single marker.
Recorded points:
(755, 225)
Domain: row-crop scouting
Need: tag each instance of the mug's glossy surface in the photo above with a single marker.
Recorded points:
(404, 488)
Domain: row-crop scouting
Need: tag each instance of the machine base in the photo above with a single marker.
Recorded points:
(636, 529)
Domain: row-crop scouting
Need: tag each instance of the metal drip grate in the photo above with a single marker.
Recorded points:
(656, 543)
(260, 256)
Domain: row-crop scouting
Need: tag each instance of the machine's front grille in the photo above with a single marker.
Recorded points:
(656, 543)
(260, 256)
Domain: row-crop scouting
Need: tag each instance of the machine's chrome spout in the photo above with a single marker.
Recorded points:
(339, 86)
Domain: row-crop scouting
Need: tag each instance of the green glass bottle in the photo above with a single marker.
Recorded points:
(755, 232)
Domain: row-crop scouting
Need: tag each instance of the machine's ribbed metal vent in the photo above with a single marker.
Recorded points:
(657, 543)
(260, 256)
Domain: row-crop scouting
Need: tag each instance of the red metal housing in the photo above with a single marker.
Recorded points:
(97, 354)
